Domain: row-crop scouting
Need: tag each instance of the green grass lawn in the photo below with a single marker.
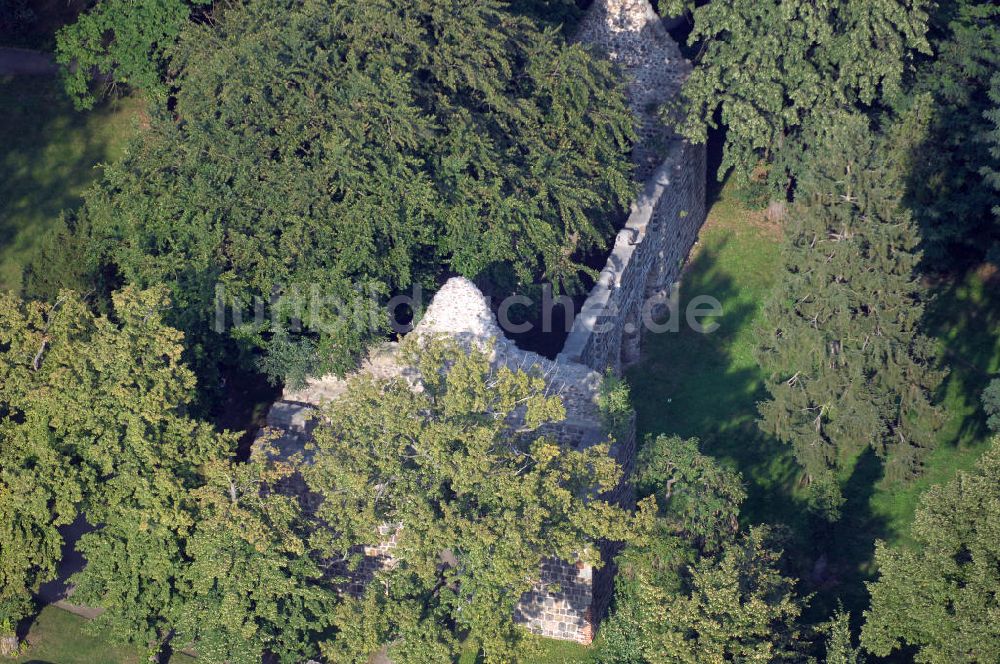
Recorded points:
(51, 153)
(707, 386)
(550, 651)
(58, 637)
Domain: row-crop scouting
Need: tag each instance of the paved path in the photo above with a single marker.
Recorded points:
(23, 61)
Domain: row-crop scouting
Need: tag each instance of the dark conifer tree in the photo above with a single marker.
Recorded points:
(847, 364)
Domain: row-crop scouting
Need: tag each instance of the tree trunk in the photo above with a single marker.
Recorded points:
(8, 645)
(776, 210)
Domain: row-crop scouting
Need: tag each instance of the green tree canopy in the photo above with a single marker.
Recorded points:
(941, 596)
(348, 149)
(252, 585)
(938, 129)
(992, 115)
(697, 497)
(461, 465)
(92, 421)
(698, 590)
(839, 646)
(991, 404)
(848, 366)
(766, 66)
(123, 41)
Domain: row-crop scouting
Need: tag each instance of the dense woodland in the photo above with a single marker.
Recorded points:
(367, 147)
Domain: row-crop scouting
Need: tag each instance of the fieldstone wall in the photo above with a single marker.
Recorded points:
(632, 36)
(645, 263)
(651, 249)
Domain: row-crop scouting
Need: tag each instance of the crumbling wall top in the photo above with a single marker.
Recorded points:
(634, 38)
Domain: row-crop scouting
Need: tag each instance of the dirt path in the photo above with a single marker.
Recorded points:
(25, 62)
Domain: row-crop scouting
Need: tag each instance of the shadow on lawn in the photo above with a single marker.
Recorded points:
(965, 315)
(690, 384)
(50, 156)
(708, 386)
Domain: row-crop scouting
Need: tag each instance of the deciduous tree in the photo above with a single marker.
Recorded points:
(452, 461)
(91, 420)
(124, 41)
(697, 497)
(941, 596)
(698, 590)
(766, 66)
(252, 586)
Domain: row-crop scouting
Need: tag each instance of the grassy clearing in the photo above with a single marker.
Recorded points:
(707, 386)
(550, 651)
(51, 154)
(59, 637)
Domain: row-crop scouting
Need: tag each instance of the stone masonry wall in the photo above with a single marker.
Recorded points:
(651, 249)
(645, 262)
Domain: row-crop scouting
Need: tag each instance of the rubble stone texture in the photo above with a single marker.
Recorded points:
(569, 598)
(651, 249)
(634, 38)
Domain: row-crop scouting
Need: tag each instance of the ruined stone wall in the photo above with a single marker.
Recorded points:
(650, 250)
(645, 262)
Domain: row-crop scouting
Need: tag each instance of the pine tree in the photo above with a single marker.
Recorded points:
(847, 365)
(991, 172)
(940, 122)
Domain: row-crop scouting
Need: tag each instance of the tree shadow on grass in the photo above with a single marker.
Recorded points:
(965, 316)
(708, 386)
(51, 154)
(692, 384)
(842, 553)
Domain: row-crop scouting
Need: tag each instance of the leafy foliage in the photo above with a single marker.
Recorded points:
(840, 339)
(938, 130)
(328, 153)
(732, 607)
(698, 590)
(252, 585)
(767, 66)
(839, 648)
(92, 421)
(941, 597)
(460, 465)
(123, 40)
(698, 498)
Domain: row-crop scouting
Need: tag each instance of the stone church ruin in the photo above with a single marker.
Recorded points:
(644, 263)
